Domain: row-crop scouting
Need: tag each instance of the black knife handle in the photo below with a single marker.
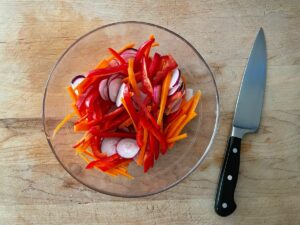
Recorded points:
(225, 204)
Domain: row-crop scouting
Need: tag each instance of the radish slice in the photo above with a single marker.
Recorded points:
(175, 78)
(103, 89)
(156, 93)
(189, 94)
(127, 148)
(114, 62)
(128, 53)
(120, 95)
(77, 80)
(176, 106)
(175, 88)
(109, 145)
(113, 88)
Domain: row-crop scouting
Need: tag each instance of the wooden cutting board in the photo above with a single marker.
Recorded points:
(34, 188)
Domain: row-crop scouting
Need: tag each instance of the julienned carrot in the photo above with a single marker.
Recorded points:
(81, 150)
(72, 93)
(140, 158)
(108, 59)
(131, 77)
(76, 109)
(125, 106)
(197, 97)
(102, 64)
(62, 123)
(177, 138)
(164, 95)
(183, 124)
(175, 126)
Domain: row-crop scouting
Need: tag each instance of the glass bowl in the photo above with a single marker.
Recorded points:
(169, 169)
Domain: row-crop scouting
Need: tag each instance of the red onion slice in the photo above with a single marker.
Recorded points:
(103, 89)
(109, 145)
(175, 78)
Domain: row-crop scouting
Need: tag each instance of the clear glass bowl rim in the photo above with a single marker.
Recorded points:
(208, 148)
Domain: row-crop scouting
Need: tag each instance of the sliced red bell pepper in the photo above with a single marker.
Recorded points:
(108, 116)
(154, 66)
(148, 160)
(173, 116)
(145, 79)
(98, 114)
(143, 106)
(107, 163)
(154, 148)
(116, 122)
(113, 134)
(141, 52)
(117, 56)
(81, 100)
(156, 133)
(95, 146)
(167, 63)
(108, 71)
(139, 135)
(130, 107)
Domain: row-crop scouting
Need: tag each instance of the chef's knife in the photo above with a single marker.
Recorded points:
(246, 120)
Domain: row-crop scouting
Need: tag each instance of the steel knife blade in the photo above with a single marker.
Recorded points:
(246, 120)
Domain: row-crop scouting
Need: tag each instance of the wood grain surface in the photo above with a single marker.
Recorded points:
(35, 189)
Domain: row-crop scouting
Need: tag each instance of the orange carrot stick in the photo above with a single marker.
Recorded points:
(164, 95)
(62, 123)
(72, 93)
(141, 155)
(177, 138)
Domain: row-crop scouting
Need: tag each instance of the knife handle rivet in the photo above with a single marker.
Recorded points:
(224, 205)
(229, 177)
(234, 150)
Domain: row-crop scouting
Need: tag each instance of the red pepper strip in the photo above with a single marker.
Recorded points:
(117, 56)
(95, 146)
(173, 116)
(139, 135)
(97, 114)
(145, 79)
(108, 116)
(83, 96)
(89, 101)
(130, 107)
(113, 134)
(81, 126)
(148, 160)
(143, 106)
(141, 52)
(153, 146)
(107, 163)
(167, 63)
(81, 119)
(156, 133)
(154, 65)
(107, 71)
(116, 123)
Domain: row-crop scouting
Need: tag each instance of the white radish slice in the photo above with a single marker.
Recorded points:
(189, 94)
(103, 89)
(176, 106)
(77, 80)
(113, 88)
(127, 148)
(109, 146)
(120, 95)
(114, 62)
(175, 88)
(175, 78)
(128, 53)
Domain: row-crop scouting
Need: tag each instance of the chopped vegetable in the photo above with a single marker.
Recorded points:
(131, 106)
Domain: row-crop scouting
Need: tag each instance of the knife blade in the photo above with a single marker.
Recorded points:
(246, 120)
